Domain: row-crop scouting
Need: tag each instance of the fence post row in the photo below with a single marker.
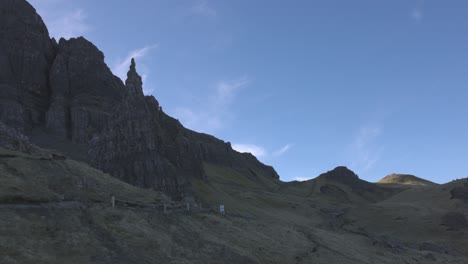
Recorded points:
(221, 207)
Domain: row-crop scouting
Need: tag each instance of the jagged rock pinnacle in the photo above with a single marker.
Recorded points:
(132, 65)
(134, 83)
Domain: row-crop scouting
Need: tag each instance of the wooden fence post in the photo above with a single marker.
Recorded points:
(221, 209)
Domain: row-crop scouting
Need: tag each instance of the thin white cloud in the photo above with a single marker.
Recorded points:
(259, 151)
(212, 116)
(418, 12)
(227, 90)
(202, 7)
(302, 179)
(62, 20)
(121, 66)
(282, 150)
(365, 148)
(255, 150)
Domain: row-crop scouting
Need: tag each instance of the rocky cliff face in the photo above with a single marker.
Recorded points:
(83, 91)
(67, 91)
(26, 52)
(144, 146)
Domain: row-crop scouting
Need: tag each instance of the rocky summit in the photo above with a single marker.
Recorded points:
(63, 96)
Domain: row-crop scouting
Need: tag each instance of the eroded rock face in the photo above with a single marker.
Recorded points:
(12, 139)
(67, 93)
(144, 146)
(26, 52)
(84, 91)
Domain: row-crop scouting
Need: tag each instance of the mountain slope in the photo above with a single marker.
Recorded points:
(63, 96)
(56, 210)
(341, 185)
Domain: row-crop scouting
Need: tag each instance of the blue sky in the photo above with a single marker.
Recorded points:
(378, 86)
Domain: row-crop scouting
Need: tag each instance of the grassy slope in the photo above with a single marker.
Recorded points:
(353, 236)
(39, 178)
(267, 221)
(405, 179)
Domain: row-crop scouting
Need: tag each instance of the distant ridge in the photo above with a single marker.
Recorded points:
(405, 179)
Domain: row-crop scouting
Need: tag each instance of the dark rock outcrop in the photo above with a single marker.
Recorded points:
(84, 91)
(67, 93)
(12, 139)
(26, 52)
(144, 146)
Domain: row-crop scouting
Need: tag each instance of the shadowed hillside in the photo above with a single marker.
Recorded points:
(94, 171)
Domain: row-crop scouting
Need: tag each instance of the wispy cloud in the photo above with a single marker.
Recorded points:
(255, 150)
(212, 116)
(365, 148)
(61, 20)
(202, 7)
(302, 178)
(282, 150)
(259, 151)
(418, 12)
(121, 66)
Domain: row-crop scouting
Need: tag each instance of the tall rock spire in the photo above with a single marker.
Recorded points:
(134, 83)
